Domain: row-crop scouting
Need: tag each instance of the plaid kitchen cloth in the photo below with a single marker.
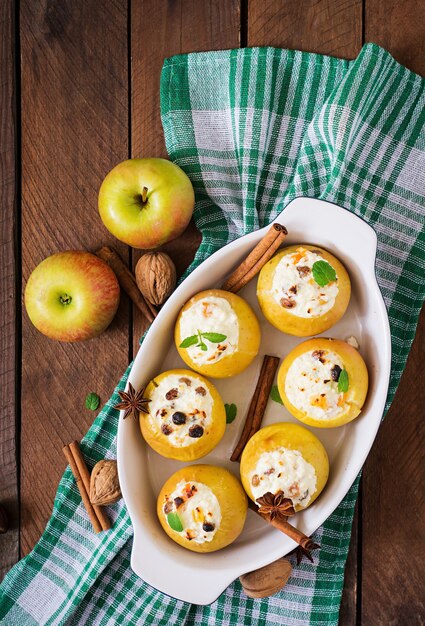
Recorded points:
(254, 129)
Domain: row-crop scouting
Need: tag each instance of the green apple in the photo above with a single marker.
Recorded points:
(71, 296)
(146, 202)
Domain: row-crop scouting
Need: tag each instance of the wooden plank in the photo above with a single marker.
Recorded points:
(171, 28)
(393, 544)
(9, 542)
(400, 28)
(74, 129)
(394, 505)
(325, 26)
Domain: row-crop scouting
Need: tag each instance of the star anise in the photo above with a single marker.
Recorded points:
(275, 506)
(300, 552)
(132, 402)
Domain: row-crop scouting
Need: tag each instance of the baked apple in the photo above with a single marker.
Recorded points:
(217, 333)
(303, 290)
(285, 457)
(323, 382)
(202, 508)
(186, 417)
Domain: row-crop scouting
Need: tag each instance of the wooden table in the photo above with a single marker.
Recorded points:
(79, 93)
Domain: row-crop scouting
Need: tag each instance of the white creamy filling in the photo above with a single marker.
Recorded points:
(287, 471)
(181, 407)
(311, 387)
(210, 315)
(198, 509)
(295, 289)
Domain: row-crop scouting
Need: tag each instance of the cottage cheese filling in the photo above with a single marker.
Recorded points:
(311, 384)
(181, 407)
(284, 470)
(198, 509)
(210, 315)
(295, 289)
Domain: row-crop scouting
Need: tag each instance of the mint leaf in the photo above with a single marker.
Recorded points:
(231, 411)
(92, 401)
(275, 395)
(189, 341)
(174, 522)
(343, 382)
(323, 273)
(203, 347)
(214, 337)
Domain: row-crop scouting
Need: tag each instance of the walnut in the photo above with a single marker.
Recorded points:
(104, 484)
(155, 276)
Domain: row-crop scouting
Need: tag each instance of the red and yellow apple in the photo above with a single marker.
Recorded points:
(72, 296)
(146, 202)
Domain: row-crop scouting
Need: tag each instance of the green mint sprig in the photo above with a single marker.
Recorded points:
(343, 382)
(275, 395)
(323, 273)
(198, 340)
(92, 401)
(231, 412)
(174, 522)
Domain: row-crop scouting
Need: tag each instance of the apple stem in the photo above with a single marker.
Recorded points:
(65, 299)
(144, 195)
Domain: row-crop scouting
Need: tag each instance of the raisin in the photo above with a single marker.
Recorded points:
(170, 395)
(255, 481)
(179, 418)
(335, 372)
(293, 289)
(327, 380)
(318, 354)
(208, 527)
(287, 303)
(178, 501)
(166, 429)
(185, 380)
(201, 391)
(196, 431)
(303, 270)
(168, 507)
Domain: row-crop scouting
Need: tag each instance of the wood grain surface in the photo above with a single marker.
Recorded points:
(74, 129)
(393, 547)
(89, 99)
(9, 270)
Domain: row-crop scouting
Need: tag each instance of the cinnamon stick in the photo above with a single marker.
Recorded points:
(285, 527)
(259, 256)
(85, 475)
(98, 523)
(127, 281)
(258, 404)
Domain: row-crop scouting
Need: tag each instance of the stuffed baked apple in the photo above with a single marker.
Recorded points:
(323, 382)
(285, 458)
(186, 417)
(202, 508)
(217, 333)
(303, 290)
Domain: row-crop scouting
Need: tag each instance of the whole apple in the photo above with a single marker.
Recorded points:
(72, 296)
(146, 202)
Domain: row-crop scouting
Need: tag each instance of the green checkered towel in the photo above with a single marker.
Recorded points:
(253, 129)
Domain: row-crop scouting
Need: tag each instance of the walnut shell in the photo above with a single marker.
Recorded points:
(155, 276)
(104, 484)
